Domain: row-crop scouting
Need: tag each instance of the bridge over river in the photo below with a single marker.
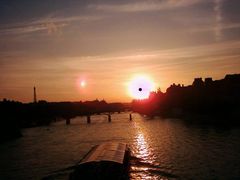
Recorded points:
(88, 117)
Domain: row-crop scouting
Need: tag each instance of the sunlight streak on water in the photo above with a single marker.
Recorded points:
(142, 151)
(142, 147)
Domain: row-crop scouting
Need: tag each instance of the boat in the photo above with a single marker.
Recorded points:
(105, 161)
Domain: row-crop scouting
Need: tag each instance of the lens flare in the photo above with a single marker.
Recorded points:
(140, 87)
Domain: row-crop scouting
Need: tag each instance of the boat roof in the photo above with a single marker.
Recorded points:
(111, 151)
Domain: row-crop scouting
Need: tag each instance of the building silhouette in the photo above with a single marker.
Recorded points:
(205, 97)
(198, 82)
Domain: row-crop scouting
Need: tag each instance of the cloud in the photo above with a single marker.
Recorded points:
(184, 52)
(218, 18)
(51, 25)
(141, 6)
(31, 28)
(53, 28)
(210, 28)
(187, 60)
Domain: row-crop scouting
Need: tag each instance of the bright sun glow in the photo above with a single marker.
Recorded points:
(82, 83)
(140, 87)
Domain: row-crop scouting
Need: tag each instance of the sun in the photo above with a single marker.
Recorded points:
(140, 87)
(83, 83)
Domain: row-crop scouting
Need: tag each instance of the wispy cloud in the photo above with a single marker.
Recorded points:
(51, 25)
(32, 27)
(180, 53)
(218, 18)
(211, 28)
(140, 6)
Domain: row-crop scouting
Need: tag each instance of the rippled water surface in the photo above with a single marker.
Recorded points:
(161, 148)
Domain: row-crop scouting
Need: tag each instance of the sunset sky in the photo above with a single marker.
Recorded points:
(56, 44)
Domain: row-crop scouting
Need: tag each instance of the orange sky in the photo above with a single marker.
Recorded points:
(108, 43)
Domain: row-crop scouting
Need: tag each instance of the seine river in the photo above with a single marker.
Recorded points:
(161, 148)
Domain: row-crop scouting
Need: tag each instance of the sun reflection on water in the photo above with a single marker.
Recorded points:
(144, 154)
(145, 164)
(142, 147)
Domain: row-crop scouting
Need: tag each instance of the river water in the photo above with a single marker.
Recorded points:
(161, 148)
